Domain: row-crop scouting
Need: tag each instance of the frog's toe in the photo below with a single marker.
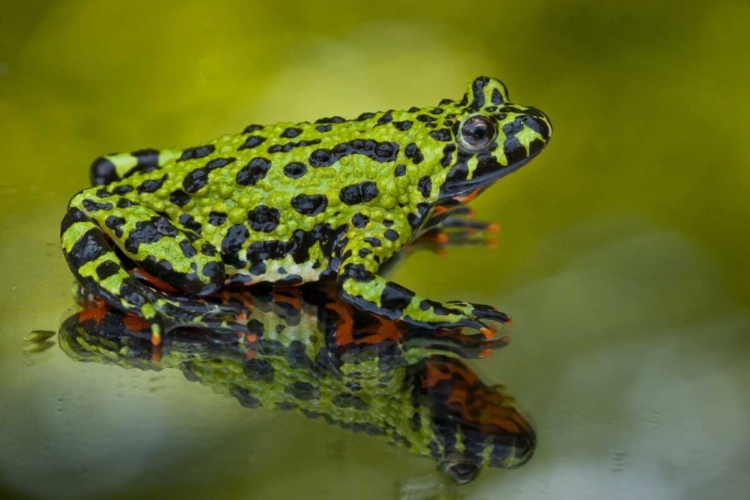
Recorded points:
(205, 308)
(467, 322)
(490, 313)
(479, 312)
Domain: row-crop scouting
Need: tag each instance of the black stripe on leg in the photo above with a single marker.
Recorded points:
(107, 269)
(71, 217)
(89, 247)
(395, 297)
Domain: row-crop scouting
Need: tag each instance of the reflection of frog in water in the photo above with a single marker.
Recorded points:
(308, 351)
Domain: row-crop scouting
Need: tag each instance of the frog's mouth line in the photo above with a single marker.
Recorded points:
(463, 187)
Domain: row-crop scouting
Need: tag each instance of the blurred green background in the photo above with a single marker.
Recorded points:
(622, 255)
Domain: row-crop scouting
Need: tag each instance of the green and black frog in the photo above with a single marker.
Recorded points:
(308, 351)
(295, 203)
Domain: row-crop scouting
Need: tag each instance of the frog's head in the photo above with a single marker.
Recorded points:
(492, 137)
(474, 425)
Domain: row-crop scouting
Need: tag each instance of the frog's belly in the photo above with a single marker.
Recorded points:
(283, 271)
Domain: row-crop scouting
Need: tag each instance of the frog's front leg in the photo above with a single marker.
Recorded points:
(162, 248)
(364, 251)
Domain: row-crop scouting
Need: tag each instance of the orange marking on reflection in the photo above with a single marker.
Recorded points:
(291, 297)
(95, 314)
(245, 301)
(487, 332)
(135, 323)
(345, 329)
(472, 401)
(486, 353)
(152, 280)
(432, 375)
(508, 425)
(251, 354)
(459, 396)
(387, 329)
(251, 337)
(432, 236)
(493, 227)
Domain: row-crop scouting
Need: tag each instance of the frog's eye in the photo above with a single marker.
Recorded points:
(477, 132)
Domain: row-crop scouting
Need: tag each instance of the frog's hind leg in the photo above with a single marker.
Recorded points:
(92, 222)
(96, 266)
(114, 167)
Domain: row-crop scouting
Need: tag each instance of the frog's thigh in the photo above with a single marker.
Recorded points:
(97, 267)
(158, 246)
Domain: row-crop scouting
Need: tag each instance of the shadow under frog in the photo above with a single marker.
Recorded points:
(305, 350)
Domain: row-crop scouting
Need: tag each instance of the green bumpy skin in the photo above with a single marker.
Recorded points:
(293, 203)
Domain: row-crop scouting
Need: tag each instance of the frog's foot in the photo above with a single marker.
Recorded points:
(430, 314)
(38, 341)
(452, 342)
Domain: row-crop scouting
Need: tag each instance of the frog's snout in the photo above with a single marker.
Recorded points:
(539, 122)
(520, 152)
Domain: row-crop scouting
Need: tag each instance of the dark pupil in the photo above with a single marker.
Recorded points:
(477, 132)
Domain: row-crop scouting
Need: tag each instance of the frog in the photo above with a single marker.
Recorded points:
(311, 353)
(292, 203)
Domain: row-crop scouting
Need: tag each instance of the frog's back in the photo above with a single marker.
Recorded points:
(285, 193)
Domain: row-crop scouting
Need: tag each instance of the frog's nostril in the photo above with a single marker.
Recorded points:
(539, 124)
